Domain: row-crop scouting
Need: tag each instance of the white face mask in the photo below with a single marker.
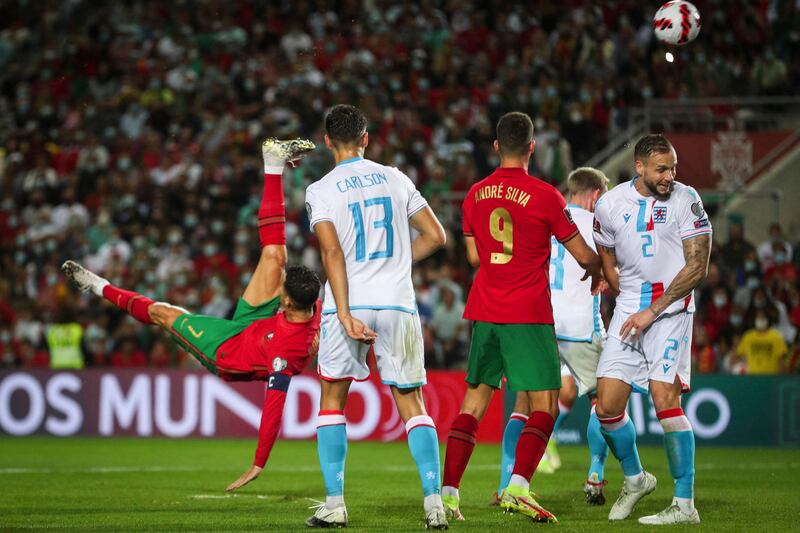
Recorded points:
(762, 324)
(720, 300)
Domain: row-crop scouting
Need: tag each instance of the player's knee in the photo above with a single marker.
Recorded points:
(164, 315)
(608, 409)
(275, 255)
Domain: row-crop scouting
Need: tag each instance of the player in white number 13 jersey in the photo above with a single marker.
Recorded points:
(654, 239)
(362, 213)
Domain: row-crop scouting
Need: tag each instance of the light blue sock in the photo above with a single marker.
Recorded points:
(679, 443)
(332, 450)
(597, 447)
(509, 448)
(620, 434)
(563, 413)
(424, 446)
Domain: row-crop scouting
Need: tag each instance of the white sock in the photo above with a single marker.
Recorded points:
(432, 501)
(334, 502)
(635, 482)
(97, 288)
(519, 481)
(686, 505)
(447, 490)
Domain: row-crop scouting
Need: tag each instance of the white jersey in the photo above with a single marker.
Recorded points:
(576, 311)
(369, 204)
(646, 234)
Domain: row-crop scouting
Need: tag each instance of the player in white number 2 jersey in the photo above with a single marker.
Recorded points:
(362, 213)
(580, 333)
(654, 239)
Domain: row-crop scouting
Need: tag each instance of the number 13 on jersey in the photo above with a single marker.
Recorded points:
(385, 223)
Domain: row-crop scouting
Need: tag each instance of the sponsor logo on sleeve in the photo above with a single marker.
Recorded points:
(596, 225)
(308, 210)
(697, 209)
(701, 223)
(279, 364)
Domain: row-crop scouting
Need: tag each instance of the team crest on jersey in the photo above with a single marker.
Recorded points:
(568, 215)
(279, 364)
(659, 214)
(269, 336)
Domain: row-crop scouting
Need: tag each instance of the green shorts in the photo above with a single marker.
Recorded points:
(202, 335)
(527, 354)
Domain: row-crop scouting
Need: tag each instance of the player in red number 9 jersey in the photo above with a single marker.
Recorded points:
(259, 343)
(509, 219)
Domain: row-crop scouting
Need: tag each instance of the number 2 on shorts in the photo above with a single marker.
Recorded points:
(505, 234)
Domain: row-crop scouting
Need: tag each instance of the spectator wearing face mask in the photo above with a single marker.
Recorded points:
(781, 269)
(718, 313)
(763, 347)
(768, 250)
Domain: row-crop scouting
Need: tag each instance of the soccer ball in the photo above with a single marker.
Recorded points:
(677, 23)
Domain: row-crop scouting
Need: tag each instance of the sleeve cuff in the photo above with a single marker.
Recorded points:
(570, 236)
(416, 210)
(317, 221)
(695, 234)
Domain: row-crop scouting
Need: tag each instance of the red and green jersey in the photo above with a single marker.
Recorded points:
(267, 346)
(273, 350)
(512, 216)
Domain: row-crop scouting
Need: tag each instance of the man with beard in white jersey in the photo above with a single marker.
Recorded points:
(654, 238)
(362, 213)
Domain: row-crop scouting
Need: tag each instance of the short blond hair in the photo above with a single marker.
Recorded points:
(586, 179)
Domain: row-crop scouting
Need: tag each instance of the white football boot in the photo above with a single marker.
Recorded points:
(671, 515)
(277, 153)
(83, 279)
(324, 517)
(628, 498)
(436, 519)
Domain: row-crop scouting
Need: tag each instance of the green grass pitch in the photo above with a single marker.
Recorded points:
(92, 484)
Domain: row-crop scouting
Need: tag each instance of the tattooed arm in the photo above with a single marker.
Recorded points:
(695, 252)
(608, 256)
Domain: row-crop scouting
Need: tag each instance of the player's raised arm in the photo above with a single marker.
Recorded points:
(431, 234)
(333, 261)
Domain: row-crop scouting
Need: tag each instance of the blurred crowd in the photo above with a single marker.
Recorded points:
(130, 132)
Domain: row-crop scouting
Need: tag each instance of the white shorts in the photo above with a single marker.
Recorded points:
(581, 359)
(399, 351)
(661, 352)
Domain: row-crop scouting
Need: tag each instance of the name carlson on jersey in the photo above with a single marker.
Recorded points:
(361, 182)
(501, 192)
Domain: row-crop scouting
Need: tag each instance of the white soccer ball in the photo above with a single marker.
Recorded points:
(677, 23)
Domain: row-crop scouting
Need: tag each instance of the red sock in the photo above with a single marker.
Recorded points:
(532, 443)
(460, 443)
(131, 302)
(271, 213)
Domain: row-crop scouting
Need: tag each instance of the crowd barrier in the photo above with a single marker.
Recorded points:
(198, 404)
(724, 410)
